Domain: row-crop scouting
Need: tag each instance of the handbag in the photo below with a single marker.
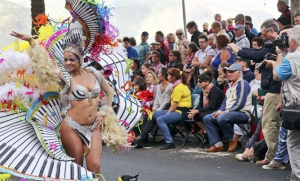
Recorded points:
(290, 116)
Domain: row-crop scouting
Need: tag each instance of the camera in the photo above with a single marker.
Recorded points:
(282, 43)
(268, 56)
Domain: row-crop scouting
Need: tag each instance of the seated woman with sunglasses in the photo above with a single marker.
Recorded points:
(210, 100)
(181, 102)
(175, 60)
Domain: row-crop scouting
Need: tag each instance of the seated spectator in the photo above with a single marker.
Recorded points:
(131, 52)
(235, 109)
(193, 30)
(212, 41)
(248, 20)
(210, 100)
(217, 18)
(240, 38)
(257, 43)
(132, 42)
(161, 102)
(146, 67)
(229, 33)
(160, 38)
(135, 67)
(249, 26)
(255, 83)
(297, 19)
(210, 72)
(155, 47)
(282, 21)
(222, 80)
(217, 29)
(248, 75)
(204, 56)
(156, 64)
(240, 20)
(205, 28)
(230, 26)
(151, 81)
(224, 54)
(171, 41)
(188, 69)
(180, 104)
(181, 44)
(175, 60)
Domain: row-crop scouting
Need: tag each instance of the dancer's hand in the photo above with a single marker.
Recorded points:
(23, 37)
(100, 122)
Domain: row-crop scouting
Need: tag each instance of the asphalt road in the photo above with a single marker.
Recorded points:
(183, 164)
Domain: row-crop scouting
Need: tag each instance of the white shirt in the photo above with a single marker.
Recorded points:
(201, 54)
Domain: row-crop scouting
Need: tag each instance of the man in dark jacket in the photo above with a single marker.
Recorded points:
(270, 119)
(193, 29)
(283, 7)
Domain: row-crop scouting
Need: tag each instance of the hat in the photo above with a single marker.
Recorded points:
(239, 17)
(285, 2)
(243, 59)
(239, 27)
(155, 43)
(235, 67)
(145, 33)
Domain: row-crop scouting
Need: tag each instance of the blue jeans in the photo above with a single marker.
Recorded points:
(282, 154)
(162, 121)
(225, 122)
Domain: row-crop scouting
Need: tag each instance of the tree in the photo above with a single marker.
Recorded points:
(37, 7)
(295, 8)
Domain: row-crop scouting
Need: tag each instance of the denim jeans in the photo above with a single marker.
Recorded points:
(282, 154)
(163, 119)
(225, 122)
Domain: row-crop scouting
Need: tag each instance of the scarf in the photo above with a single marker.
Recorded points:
(175, 84)
(206, 91)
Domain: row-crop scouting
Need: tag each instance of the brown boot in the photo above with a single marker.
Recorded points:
(262, 162)
(233, 143)
(215, 149)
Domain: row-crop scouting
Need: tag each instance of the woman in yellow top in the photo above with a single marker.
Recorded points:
(181, 102)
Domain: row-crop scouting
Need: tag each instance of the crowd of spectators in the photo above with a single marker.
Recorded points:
(223, 67)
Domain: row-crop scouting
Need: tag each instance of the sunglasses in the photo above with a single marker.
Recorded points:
(200, 81)
(179, 34)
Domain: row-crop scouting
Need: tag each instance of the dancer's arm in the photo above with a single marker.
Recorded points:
(109, 92)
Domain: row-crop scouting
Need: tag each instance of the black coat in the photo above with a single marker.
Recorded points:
(195, 37)
(215, 96)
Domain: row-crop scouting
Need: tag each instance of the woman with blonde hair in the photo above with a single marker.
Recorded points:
(181, 44)
(171, 40)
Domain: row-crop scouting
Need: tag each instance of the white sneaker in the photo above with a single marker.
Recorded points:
(240, 157)
(273, 166)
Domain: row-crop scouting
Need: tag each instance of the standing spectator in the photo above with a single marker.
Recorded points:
(181, 102)
(253, 29)
(171, 41)
(175, 60)
(240, 20)
(188, 69)
(155, 47)
(210, 100)
(257, 43)
(132, 42)
(297, 19)
(156, 64)
(204, 55)
(248, 75)
(143, 49)
(240, 38)
(229, 33)
(193, 30)
(181, 44)
(224, 54)
(286, 69)
(159, 37)
(282, 21)
(235, 109)
(217, 18)
(283, 7)
(131, 52)
(249, 26)
(230, 25)
(205, 28)
(161, 102)
(217, 29)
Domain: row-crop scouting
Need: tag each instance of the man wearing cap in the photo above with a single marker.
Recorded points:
(283, 7)
(240, 38)
(240, 20)
(155, 47)
(235, 109)
(248, 75)
(143, 49)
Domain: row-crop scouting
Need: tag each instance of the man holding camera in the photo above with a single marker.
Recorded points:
(270, 120)
(286, 69)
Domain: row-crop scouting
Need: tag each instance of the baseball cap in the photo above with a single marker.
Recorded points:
(243, 59)
(239, 27)
(239, 17)
(235, 67)
(155, 43)
(285, 2)
(145, 33)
